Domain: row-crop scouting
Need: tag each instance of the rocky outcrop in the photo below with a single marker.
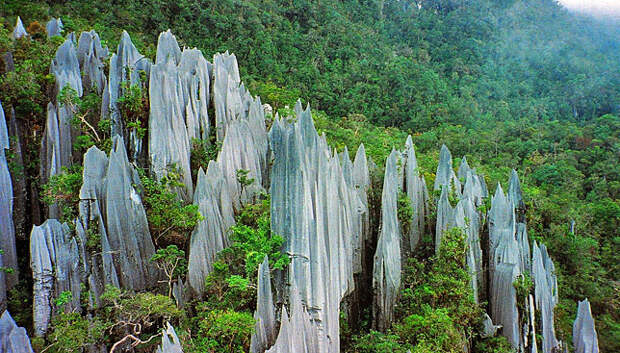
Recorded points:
(13, 339)
(111, 209)
(127, 67)
(387, 260)
(504, 302)
(54, 259)
(211, 234)
(8, 255)
(445, 218)
(54, 27)
(360, 178)
(265, 329)
(312, 207)
(585, 339)
(19, 31)
(170, 342)
(227, 93)
(91, 56)
(417, 193)
(445, 175)
(546, 293)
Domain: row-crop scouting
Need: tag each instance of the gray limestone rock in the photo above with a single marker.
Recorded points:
(227, 97)
(170, 342)
(504, 302)
(211, 234)
(445, 174)
(585, 339)
(489, 330)
(546, 293)
(313, 208)
(387, 260)
(54, 27)
(362, 184)
(13, 339)
(127, 65)
(501, 225)
(265, 330)
(111, 206)
(516, 196)
(445, 218)
(19, 31)
(91, 56)
(7, 229)
(54, 259)
(416, 191)
(471, 224)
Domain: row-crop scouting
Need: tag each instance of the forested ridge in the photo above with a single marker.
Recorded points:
(510, 84)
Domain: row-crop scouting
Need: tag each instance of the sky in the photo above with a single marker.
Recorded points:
(596, 7)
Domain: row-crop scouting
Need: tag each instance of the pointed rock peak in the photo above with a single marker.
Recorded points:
(54, 27)
(170, 342)
(19, 31)
(409, 142)
(514, 189)
(499, 192)
(585, 338)
(167, 48)
(4, 134)
(298, 107)
(464, 167)
(13, 339)
(445, 154)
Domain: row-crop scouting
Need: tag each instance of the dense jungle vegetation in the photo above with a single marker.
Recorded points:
(520, 84)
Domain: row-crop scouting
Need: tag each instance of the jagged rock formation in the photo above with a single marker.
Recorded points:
(19, 31)
(265, 329)
(91, 56)
(585, 339)
(170, 342)
(387, 260)
(312, 207)
(360, 177)
(211, 234)
(445, 175)
(13, 339)
(516, 197)
(54, 258)
(227, 92)
(111, 207)
(504, 301)
(546, 293)
(54, 27)
(127, 66)
(298, 333)
(8, 257)
(415, 186)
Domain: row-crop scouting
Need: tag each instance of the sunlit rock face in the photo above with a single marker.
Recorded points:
(170, 342)
(546, 293)
(417, 193)
(13, 339)
(313, 208)
(54, 258)
(585, 339)
(387, 260)
(91, 56)
(19, 31)
(445, 176)
(8, 258)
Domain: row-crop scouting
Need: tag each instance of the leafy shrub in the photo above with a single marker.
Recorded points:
(224, 331)
(172, 261)
(405, 211)
(64, 189)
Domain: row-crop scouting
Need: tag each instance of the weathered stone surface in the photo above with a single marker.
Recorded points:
(501, 225)
(312, 207)
(91, 56)
(125, 66)
(445, 174)
(445, 218)
(170, 342)
(13, 339)
(489, 330)
(585, 339)
(226, 93)
(19, 31)
(471, 224)
(211, 234)
(546, 292)
(8, 258)
(361, 183)
(54, 259)
(387, 260)
(265, 330)
(111, 207)
(516, 196)
(416, 192)
(54, 27)
(504, 302)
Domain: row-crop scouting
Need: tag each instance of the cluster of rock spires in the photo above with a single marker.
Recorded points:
(319, 205)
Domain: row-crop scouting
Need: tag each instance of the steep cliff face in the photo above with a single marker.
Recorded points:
(8, 255)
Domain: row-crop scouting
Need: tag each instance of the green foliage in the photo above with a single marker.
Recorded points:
(202, 152)
(172, 261)
(63, 189)
(63, 299)
(242, 178)
(405, 211)
(224, 331)
(170, 220)
(133, 103)
(377, 342)
(523, 285)
(71, 332)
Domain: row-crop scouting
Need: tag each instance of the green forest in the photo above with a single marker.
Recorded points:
(510, 84)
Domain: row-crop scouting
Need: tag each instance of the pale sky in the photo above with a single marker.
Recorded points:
(599, 7)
